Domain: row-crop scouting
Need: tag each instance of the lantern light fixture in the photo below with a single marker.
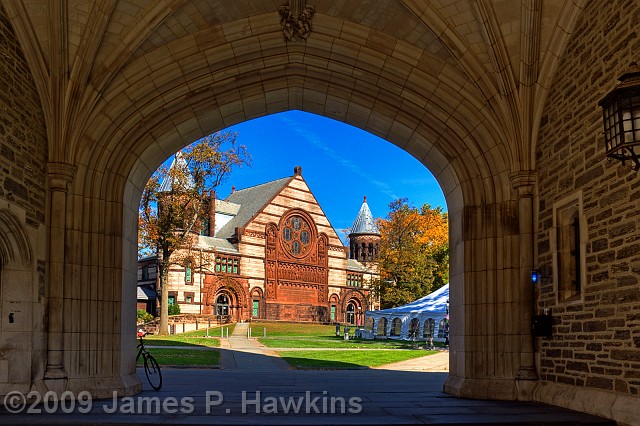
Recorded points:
(621, 115)
(535, 276)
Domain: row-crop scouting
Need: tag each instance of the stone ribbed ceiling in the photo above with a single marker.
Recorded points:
(451, 82)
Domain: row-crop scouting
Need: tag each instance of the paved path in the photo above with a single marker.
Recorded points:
(254, 386)
(240, 353)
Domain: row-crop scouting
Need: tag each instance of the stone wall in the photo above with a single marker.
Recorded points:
(23, 155)
(23, 143)
(596, 339)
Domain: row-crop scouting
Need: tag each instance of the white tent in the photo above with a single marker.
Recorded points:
(425, 318)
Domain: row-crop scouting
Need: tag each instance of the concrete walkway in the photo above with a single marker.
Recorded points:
(254, 386)
(240, 353)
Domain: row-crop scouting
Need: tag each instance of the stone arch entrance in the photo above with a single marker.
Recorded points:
(354, 305)
(225, 298)
(20, 309)
(135, 100)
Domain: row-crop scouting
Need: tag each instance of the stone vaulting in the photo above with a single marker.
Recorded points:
(497, 98)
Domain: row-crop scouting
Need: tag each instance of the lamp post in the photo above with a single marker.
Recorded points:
(621, 116)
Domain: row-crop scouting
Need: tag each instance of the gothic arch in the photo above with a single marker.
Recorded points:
(137, 96)
(15, 248)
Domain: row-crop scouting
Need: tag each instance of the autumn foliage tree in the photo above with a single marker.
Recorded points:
(414, 253)
(174, 202)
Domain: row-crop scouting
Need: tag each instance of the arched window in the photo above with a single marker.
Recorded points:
(414, 328)
(443, 328)
(381, 330)
(396, 327)
(429, 328)
(368, 324)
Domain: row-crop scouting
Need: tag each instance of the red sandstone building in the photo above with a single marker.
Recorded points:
(269, 252)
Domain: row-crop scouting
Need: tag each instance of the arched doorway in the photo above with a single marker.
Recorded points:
(353, 309)
(257, 303)
(221, 308)
(350, 313)
(18, 305)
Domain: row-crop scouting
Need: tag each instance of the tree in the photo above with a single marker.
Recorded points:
(176, 201)
(414, 253)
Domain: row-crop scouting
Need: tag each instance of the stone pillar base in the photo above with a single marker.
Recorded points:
(622, 408)
(57, 385)
(500, 389)
(99, 387)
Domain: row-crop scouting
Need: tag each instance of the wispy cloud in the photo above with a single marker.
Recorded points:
(312, 138)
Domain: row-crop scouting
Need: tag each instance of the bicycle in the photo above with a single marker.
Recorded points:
(151, 367)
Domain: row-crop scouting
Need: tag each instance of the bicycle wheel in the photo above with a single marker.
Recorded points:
(152, 371)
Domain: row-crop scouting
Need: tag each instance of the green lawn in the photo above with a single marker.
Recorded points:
(349, 359)
(185, 357)
(292, 335)
(196, 357)
(195, 338)
(280, 329)
(332, 342)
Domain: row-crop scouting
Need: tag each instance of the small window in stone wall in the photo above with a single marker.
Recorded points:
(568, 241)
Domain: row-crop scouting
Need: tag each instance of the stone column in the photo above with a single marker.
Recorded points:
(59, 177)
(524, 183)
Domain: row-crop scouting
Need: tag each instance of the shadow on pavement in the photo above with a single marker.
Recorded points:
(259, 390)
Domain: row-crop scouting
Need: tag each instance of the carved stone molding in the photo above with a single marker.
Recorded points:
(295, 20)
(60, 174)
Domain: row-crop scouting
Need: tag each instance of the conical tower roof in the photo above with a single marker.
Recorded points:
(180, 164)
(364, 223)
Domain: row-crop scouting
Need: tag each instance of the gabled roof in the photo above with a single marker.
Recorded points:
(251, 201)
(364, 223)
(180, 164)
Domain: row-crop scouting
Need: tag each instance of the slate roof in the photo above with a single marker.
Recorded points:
(354, 265)
(145, 293)
(365, 223)
(251, 201)
(219, 244)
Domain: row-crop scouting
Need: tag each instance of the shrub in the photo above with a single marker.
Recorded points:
(144, 316)
(174, 309)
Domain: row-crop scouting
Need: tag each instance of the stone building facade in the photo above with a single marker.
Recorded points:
(499, 100)
(269, 252)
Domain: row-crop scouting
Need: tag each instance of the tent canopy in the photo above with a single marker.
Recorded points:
(422, 318)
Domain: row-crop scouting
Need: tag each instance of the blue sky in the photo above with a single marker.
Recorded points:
(340, 163)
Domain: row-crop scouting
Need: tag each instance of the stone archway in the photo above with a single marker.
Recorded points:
(19, 308)
(353, 306)
(225, 297)
(118, 102)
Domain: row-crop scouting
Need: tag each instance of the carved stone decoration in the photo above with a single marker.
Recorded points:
(295, 20)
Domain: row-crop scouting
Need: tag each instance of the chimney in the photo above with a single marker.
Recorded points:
(297, 171)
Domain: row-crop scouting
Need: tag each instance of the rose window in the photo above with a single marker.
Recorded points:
(296, 236)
